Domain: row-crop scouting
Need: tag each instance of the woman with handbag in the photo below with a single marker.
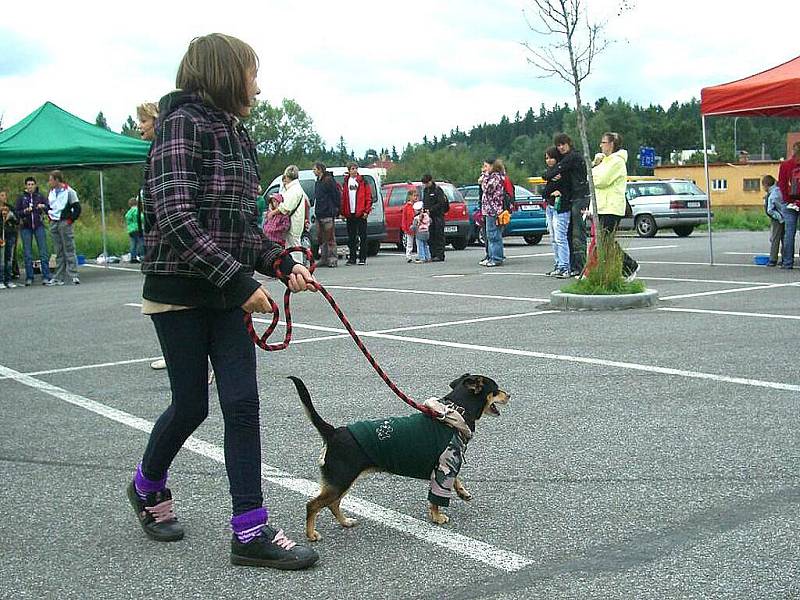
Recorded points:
(610, 174)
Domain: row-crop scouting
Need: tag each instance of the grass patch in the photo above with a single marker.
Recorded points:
(604, 277)
(742, 219)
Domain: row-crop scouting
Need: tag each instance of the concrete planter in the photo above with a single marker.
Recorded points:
(564, 301)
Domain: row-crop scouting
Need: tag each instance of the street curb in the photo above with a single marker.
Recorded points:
(564, 301)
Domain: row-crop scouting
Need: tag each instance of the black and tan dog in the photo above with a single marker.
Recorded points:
(415, 446)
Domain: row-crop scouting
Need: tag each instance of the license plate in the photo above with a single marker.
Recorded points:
(692, 205)
(451, 229)
(530, 207)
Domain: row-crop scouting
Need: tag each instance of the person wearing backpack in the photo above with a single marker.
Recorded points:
(789, 185)
(437, 204)
(64, 210)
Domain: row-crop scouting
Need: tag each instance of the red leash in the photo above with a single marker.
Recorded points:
(261, 341)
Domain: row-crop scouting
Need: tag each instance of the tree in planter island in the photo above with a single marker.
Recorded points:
(568, 52)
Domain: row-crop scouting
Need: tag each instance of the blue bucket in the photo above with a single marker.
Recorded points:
(81, 259)
(761, 259)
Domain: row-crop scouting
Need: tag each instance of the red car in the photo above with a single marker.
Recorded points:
(456, 219)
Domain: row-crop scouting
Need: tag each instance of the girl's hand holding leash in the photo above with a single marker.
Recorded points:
(301, 280)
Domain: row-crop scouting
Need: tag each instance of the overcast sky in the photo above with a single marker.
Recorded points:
(378, 73)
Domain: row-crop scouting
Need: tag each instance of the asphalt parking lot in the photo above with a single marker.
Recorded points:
(649, 453)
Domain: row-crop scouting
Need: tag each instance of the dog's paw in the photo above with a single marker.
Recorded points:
(348, 522)
(438, 517)
(315, 536)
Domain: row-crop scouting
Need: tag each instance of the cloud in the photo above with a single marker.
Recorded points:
(380, 74)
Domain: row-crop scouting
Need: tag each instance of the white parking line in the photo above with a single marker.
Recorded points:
(451, 542)
(731, 313)
(596, 361)
(92, 366)
(752, 253)
(729, 291)
(631, 248)
(680, 279)
(432, 293)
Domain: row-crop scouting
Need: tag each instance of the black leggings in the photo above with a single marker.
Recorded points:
(609, 224)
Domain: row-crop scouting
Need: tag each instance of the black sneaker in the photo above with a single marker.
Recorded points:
(156, 515)
(362, 263)
(272, 548)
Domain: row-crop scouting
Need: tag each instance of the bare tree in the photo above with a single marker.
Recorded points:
(570, 45)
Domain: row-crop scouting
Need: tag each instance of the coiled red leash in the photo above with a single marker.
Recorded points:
(261, 341)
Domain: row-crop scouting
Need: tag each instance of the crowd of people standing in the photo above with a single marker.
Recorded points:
(29, 219)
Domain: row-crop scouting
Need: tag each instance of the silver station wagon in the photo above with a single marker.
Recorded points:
(676, 204)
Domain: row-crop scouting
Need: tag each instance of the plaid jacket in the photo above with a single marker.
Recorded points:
(202, 237)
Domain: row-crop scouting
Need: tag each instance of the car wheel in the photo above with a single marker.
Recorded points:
(459, 243)
(646, 226)
(534, 239)
(482, 237)
(373, 247)
(683, 230)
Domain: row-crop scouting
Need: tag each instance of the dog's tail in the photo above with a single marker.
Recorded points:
(324, 428)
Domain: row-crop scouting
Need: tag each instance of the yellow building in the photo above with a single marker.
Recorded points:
(732, 185)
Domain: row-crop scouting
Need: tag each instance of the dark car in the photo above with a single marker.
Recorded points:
(527, 218)
(456, 220)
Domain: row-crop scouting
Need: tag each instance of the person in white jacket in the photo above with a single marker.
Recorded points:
(610, 174)
(294, 204)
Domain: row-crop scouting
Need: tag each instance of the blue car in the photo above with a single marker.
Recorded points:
(527, 219)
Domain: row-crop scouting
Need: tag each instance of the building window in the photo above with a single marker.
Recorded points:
(719, 185)
(752, 185)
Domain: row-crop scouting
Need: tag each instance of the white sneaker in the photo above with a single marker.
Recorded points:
(158, 364)
(2, 286)
(11, 285)
(483, 262)
(76, 281)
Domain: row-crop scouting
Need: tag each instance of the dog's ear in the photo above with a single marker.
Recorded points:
(474, 383)
(456, 382)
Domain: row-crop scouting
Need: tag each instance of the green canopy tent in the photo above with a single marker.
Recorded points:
(52, 138)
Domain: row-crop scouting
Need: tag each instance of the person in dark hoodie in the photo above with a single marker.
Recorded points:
(327, 199)
(202, 246)
(575, 190)
(31, 210)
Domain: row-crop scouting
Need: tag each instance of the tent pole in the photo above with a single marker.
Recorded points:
(103, 219)
(708, 195)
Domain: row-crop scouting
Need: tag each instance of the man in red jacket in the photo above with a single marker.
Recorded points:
(787, 173)
(356, 204)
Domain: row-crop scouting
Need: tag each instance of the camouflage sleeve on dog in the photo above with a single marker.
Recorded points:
(444, 474)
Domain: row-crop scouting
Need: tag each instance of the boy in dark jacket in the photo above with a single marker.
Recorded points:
(572, 169)
(31, 210)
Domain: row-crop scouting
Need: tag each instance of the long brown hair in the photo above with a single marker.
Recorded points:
(217, 66)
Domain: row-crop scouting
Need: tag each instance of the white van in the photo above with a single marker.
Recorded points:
(376, 225)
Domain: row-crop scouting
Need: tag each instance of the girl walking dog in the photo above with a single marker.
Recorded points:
(204, 243)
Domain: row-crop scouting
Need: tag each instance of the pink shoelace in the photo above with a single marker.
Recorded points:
(163, 511)
(284, 542)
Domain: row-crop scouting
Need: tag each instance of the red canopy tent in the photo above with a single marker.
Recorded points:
(771, 93)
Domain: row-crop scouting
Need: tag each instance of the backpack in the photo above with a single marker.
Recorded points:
(794, 184)
(508, 196)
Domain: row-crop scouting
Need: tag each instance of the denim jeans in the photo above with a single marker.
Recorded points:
(7, 258)
(137, 245)
(494, 235)
(188, 339)
(423, 250)
(558, 226)
(789, 232)
(27, 251)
